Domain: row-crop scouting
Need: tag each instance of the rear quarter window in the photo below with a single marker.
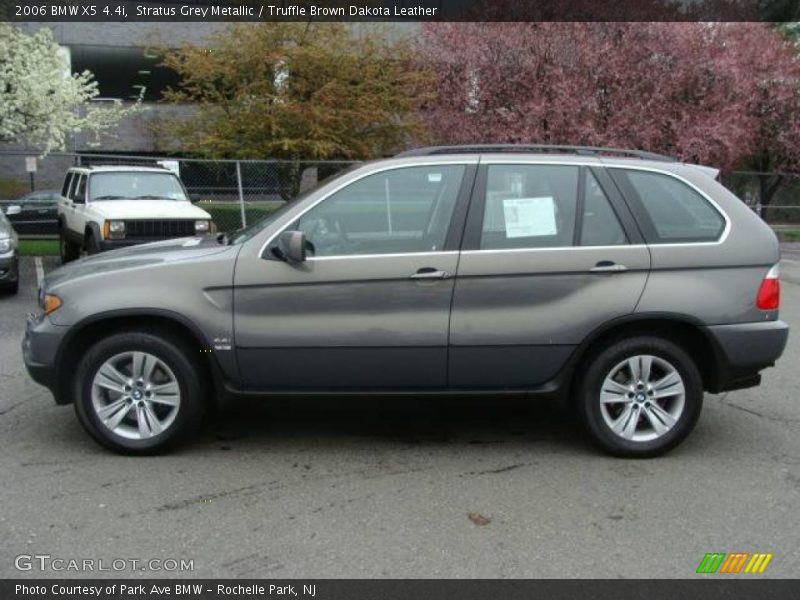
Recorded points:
(668, 209)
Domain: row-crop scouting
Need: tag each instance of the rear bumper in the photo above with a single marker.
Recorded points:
(745, 349)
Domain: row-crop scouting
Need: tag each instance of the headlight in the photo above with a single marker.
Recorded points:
(113, 229)
(201, 226)
(6, 245)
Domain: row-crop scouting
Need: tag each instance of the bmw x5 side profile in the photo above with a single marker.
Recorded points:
(624, 283)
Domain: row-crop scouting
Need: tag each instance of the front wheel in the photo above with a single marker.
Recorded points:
(640, 397)
(138, 393)
(90, 243)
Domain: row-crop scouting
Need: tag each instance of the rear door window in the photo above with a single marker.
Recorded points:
(669, 210)
(66, 186)
(79, 192)
(529, 206)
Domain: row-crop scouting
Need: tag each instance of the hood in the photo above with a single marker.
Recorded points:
(149, 209)
(134, 257)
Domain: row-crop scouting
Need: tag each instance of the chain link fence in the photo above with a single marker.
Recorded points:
(234, 192)
(775, 197)
(237, 193)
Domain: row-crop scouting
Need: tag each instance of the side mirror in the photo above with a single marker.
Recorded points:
(13, 209)
(292, 246)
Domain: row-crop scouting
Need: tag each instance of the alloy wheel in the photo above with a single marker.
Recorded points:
(642, 398)
(135, 395)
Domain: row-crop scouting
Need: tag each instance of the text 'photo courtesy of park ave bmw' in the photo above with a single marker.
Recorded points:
(450, 295)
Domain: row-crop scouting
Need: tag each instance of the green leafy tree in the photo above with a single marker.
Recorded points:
(297, 91)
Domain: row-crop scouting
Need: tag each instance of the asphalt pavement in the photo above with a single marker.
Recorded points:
(395, 488)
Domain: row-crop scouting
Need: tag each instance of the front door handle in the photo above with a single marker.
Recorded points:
(608, 266)
(430, 273)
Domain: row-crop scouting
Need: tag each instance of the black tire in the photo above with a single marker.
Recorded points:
(10, 288)
(90, 243)
(601, 363)
(69, 251)
(177, 356)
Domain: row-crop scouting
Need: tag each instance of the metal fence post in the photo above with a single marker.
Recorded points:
(241, 192)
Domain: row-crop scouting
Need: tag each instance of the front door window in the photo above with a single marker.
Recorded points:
(404, 210)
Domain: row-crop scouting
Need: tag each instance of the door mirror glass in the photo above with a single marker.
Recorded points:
(13, 209)
(291, 246)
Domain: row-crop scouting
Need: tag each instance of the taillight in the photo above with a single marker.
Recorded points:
(769, 294)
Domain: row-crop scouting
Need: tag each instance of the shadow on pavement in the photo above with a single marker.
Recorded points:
(391, 420)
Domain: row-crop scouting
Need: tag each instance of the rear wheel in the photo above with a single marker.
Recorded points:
(68, 251)
(138, 393)
(640, 397)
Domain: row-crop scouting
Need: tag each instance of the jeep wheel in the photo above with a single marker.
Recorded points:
(138, 393)
(640, 397)
(90, 243)
(67, 249)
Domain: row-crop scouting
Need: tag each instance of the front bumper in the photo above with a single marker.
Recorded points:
(9, 268)
(745, 349)
(40, 346)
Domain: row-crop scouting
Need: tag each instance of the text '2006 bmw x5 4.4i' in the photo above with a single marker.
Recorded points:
(621, 281)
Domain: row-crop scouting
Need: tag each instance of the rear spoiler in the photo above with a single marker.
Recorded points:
(708, 171)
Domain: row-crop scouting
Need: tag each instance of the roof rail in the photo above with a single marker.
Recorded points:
(535, 148)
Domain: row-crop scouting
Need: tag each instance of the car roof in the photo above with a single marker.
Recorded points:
(553, 149)
(553, 154)
(118, 168)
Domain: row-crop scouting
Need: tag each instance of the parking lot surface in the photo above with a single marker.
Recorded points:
(384, 488)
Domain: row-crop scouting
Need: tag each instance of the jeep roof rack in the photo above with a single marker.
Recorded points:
(535, 148)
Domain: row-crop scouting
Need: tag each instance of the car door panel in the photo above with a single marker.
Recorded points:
(344, 324)
(519, 313)
(358, 321)
(530, 309)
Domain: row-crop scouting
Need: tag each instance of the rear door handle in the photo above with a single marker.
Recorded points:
(607, 266)
(430, 273)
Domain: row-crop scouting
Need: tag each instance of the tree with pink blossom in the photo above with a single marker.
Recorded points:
(723, 94)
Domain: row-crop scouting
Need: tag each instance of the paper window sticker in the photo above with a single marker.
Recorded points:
(530, 217)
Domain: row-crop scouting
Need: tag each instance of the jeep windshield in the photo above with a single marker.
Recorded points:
(133, 185)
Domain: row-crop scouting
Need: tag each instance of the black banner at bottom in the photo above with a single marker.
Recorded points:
(716, 588)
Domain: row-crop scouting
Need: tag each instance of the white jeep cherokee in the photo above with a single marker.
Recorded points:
(105, 207)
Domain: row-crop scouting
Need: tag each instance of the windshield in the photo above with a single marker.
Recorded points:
(242, 235)
(135, 186)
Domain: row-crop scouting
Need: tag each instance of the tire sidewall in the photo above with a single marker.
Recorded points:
(599, 368)
(62, 247)
(91, 244)
(67, 250)
(174, 356)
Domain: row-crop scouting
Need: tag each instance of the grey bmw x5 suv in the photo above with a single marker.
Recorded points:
(622, 282)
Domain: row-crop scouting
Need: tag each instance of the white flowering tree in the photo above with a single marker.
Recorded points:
(41, 102)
